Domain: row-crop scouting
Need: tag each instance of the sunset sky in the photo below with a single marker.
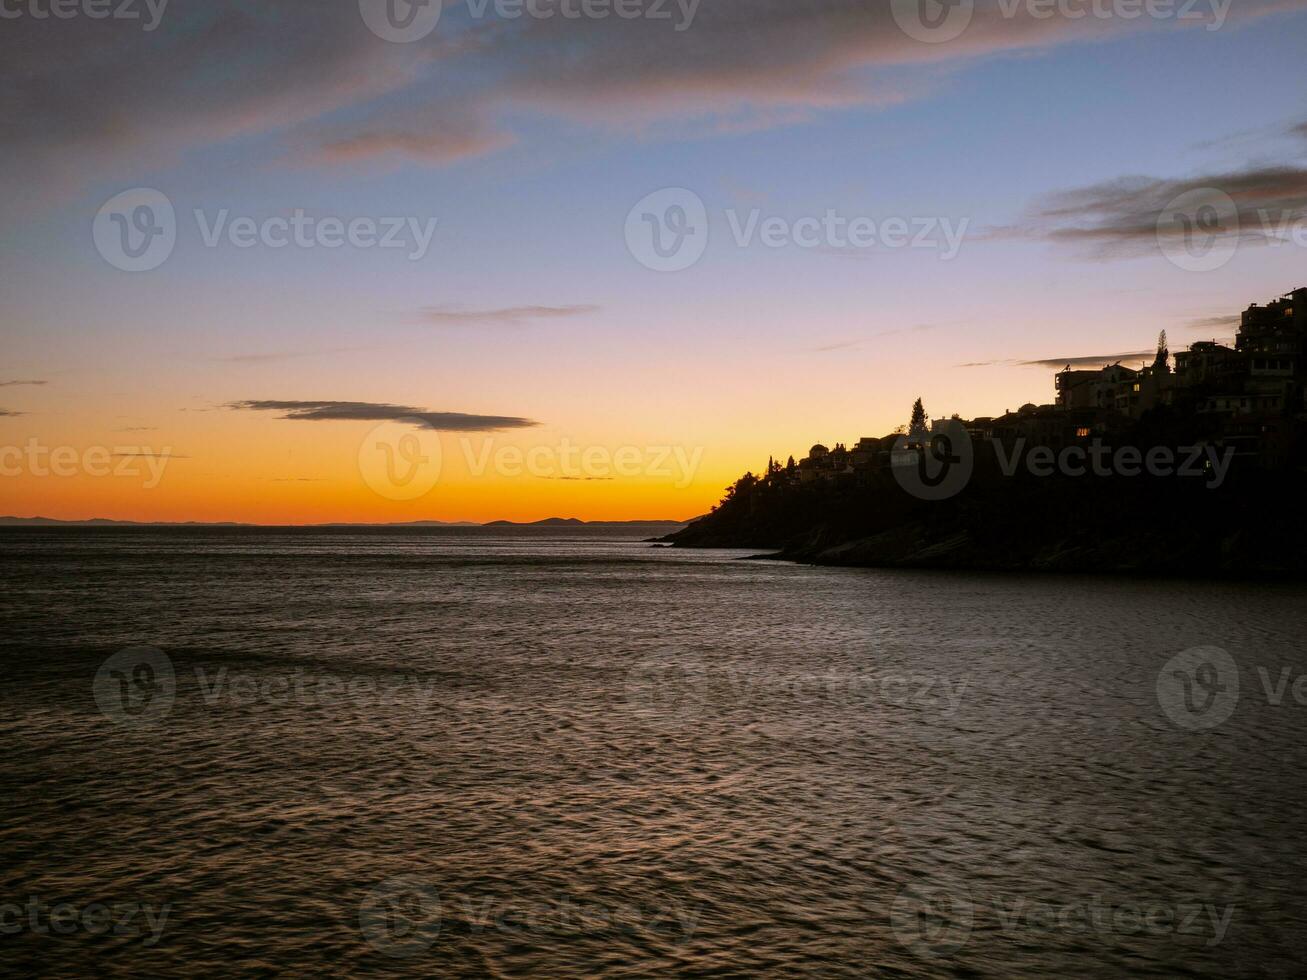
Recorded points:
(529, 324)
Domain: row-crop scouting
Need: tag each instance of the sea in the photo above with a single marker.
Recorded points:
(571, 752)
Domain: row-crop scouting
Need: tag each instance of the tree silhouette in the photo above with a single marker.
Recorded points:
(1163, 355)
(917, 430)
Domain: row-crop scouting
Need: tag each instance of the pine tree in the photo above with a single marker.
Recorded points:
(917, 428)
(1160, 364)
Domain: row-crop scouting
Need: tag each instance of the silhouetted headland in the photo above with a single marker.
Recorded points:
(1196, 470)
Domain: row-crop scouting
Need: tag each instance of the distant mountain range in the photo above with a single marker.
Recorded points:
(105, 522)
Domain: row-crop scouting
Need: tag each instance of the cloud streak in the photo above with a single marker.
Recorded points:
(1075, 361)
(345, 411)
(345, 97)
(454, 316)
(275, 356)
(1228, 322)
(1135, 215)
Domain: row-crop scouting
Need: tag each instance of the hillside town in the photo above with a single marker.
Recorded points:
(1251, 398)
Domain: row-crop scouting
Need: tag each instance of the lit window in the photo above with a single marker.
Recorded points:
(1082, 432)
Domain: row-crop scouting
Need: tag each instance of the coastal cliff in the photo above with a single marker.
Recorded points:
(1253, 525)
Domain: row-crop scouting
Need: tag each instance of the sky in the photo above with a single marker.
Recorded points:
(334, 260)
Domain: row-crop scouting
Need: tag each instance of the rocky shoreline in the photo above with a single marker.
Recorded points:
(1254, 527)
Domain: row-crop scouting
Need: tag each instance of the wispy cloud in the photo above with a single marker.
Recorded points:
(274, 356)
(1124, 217)
(453, 315)
(342, 411)
(1091, 360)
(1075, 361)
(6, 413)
(860, 341)
(150, 455)
(11, 384)
(1227, 322)
(343, 96)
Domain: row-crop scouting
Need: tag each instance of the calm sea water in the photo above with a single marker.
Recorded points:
(503, 753)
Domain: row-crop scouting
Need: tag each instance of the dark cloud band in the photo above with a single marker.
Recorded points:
(341, 411)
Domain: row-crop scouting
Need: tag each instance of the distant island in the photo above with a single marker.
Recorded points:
(547, 522)
(1196, 470)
